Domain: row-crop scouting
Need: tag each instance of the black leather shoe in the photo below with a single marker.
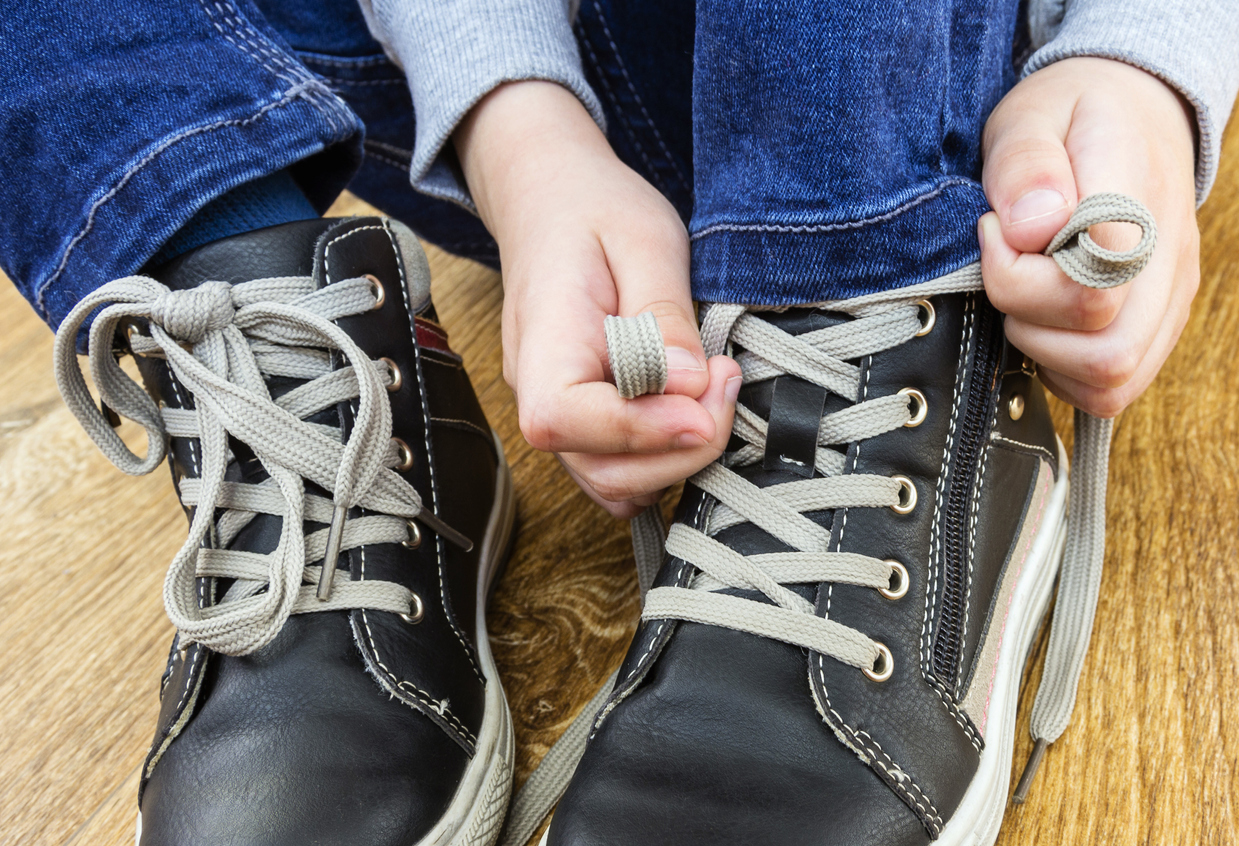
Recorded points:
(832, 651)
(299, 372)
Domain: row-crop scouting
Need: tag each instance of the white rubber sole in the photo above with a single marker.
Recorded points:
(979, 816)
(475, 816)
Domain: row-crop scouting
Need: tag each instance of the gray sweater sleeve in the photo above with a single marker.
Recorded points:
(454, 52)
(1192, 46)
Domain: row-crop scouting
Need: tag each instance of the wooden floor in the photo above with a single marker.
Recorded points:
(1151, 757)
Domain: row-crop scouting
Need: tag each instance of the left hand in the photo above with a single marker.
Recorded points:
(1079, 127)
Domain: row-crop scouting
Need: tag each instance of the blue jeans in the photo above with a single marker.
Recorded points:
(816, 150)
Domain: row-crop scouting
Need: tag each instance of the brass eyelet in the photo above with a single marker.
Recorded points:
(883, 667)
(406, 455)
(922, 407)
(380, 295)
(907, 495)
(417, 610)
(415, 536)
(1016, 406)
(900, 573)
(927, 325)
(397, 378)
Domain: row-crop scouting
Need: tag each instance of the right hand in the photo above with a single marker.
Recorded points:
(582, 236)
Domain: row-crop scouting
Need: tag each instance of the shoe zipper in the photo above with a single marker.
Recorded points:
(980, 398)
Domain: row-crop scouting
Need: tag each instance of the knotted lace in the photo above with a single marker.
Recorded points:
(878, 322)
(241, 336)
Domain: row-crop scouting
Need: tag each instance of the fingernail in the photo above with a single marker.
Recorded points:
(732, 389)
(981, 233)
(1037, 204)
(689, 440)
(679, 358)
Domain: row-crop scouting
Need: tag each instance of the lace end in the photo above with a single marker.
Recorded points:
(1030, 770)
(445, 531)
(335, 535)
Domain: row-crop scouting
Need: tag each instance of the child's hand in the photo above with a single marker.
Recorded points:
(582, 236)
(1075, 128)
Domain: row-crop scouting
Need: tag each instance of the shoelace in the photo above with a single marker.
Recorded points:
(241, 335)
(879, 322)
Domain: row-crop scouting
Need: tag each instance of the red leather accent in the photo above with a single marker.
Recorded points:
(431, 336)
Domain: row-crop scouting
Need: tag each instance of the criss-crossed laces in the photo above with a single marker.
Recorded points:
(877, 322)
(222, 343)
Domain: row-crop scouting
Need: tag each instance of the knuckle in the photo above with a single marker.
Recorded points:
(537, 423)
(614, 485)
(1116, 365)
(1094, 309)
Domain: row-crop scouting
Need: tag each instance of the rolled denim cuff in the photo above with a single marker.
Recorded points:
(455, 52)
(306, 130)
(1191, 47)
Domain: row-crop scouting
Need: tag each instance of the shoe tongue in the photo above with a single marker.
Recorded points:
(796, 321)
(284, 250)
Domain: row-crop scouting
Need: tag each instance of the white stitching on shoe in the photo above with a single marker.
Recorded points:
(430, 462)
(932, 582)
(1023, 447)
(400, 683)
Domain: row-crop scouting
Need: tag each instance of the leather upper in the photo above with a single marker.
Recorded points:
(722, 737)
(351, 726)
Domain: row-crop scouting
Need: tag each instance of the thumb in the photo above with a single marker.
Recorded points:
(656, 280)
(1027, 176)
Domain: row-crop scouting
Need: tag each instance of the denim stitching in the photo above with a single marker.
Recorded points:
(245, 31)
(296, 92)
(390, 148)
(342, 81)
(619, 61)
(401, 166)
(247, 45)
(831, 227)
(332, 107)
(619, 111)
(319, 59)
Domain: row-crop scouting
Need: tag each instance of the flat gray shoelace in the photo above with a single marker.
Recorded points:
(879, 323)
(242, 335)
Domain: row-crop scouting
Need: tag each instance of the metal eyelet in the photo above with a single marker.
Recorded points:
(883, 667)
(907, 495)
(406, 455)
(380, 295)
(1016, 406)
(397, 378)
(417, 611)
(415, 536)
(900, 573)
(922, 407)
(927, 325)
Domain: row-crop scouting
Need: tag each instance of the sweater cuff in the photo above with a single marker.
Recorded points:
(1190, 47)
(455, 52)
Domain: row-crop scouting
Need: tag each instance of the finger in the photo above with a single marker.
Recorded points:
(591, 417)
(628, 478)
(620, 510)
(1110, 402)
(650, 267)
(1033, 288)
(1027, 175)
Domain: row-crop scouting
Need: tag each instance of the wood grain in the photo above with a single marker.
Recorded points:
(1151, 756)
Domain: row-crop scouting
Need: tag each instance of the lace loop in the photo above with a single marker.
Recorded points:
(241, 335)
(880, 321)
